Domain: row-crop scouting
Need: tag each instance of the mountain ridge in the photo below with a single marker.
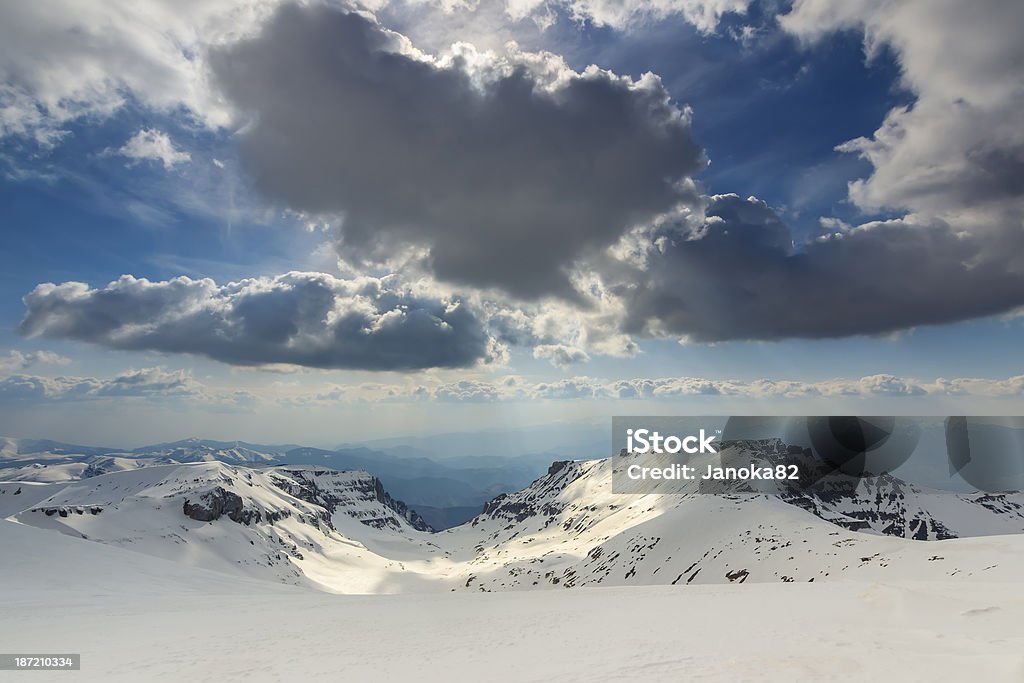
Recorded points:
(343, 532)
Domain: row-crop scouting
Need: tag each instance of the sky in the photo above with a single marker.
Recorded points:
(325, 222)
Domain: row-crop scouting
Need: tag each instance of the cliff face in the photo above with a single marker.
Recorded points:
(354, 494)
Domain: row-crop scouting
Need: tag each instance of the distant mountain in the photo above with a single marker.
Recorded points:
(543, 442)
(14, 449)
(203, 451)
(422, 481)
(448, 490)
(196, 443)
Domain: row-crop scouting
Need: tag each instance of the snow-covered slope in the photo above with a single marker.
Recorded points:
(260, 523)
(172, 512)
(569, 529)
(135, 618)
(18, 496)
(341, 532)
(83, 468)
(886, 504)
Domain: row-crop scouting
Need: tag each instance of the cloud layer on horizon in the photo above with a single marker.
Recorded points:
(515, 388)
(152, 384)
(158, 384)
(17, 361)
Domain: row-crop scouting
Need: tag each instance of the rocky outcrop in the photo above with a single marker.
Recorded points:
(354, 493)
(539, 499)
(68, 510)
(558, 465)
(403, 510)
(882, 504)
(218, 502)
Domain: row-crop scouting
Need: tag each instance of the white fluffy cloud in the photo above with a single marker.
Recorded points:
(16, 361)
(515, 388)
(560, 355)
(959, 148)
(153, 145)
(155, 383)
(621, 14)
(62, 59)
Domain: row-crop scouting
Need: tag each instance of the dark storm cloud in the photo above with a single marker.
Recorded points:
(743, 279)
(308, 319)
(506, 174)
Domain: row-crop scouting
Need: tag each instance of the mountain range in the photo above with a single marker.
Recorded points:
(342, 531)
(448, 489)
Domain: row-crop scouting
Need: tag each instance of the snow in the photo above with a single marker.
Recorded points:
(17, 496)
(340, 533)
(302, 573)
(135, 617)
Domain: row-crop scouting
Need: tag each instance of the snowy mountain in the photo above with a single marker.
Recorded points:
(342, 532)
(20, 449)
(73, 470)
(885, 504)
(569, 529)
(348, 495)
(448, 494)
(258, 523)
(207, 450)
(46, 460)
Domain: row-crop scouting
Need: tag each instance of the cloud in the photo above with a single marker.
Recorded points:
(146, 383)
(153, 145)
(515, 388)
(467, 391)
(508, 168)
(560, 355)
(513, 171)
(307, 319)
(439, 23)
(64, 60)
(155, 385)
(958, 151)
(953, 162)
(622, 14)
(16, 361)
(517, 173)
(738, 275)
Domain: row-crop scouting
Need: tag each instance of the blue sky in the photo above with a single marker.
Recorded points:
(536, 286)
